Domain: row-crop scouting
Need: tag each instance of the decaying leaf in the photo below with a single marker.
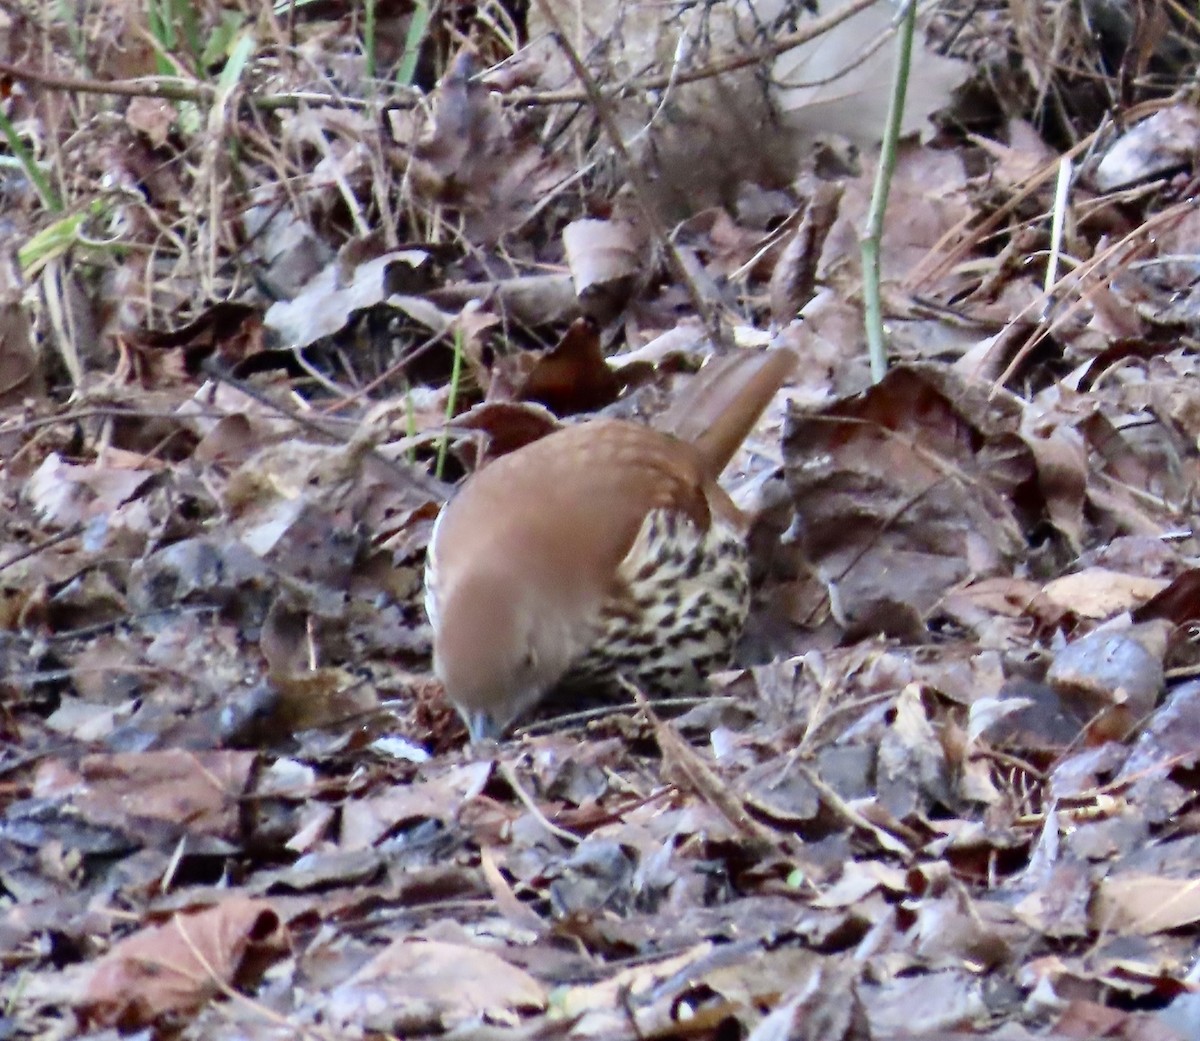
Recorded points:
(170, 970)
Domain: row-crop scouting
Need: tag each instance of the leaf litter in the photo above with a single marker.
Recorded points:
(948, 788)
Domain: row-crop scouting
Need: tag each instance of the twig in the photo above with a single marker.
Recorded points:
(641, 189)
(411, 476)
(168, 88)
(510, 775)
(174, 89)
(30, 551)
(1057, 224)
(675, 78)
(872, 305)
(569, 719)
(848, 813)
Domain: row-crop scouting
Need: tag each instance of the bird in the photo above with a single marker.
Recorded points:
(604, 550)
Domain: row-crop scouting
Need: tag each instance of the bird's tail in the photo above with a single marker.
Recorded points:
(720, 406)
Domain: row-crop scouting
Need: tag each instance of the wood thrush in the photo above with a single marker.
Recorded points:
(606, 548)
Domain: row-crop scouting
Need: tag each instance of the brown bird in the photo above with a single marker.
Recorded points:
(605, 549)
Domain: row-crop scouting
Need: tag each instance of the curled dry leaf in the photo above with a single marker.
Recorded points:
(793, 282)
(166, 972)
(1155, 147)
(20, 371)
(572, 377)
(1115, 677)
(605, 257)
(1061, 455)
(326, 303)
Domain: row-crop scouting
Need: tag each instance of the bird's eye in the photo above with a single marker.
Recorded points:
(529, 661)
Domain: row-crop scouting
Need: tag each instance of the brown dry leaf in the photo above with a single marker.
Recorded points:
(1113, 676)
(823, 1008)
(159, 795)
(683, 341)
(517, 913)
(306, 699)
(1170, 738)
(767, 976)
(1100, 593)
(1155, 147)
(603, 998)
(1178, 601)
(472, 158)
(366, 820)
(496, 428)
(989, 603)
(859, 880)
(1061, 455)
(172, 970)
(929, 188)
(895, 507)
(912, 766)
(793, 280)
(20, 374)
(1023, 157)
(954, 928)
(289, 249)
(1136, 460)
(707, 987)
(20, 371)
(1083, 1020)
(152, 117)
(465, 123)
(326, 303)
(88, 721)
(605, 258)
(418, 984)
(230, 440)
(572, 377)
(156, 357)
(66, 494)
(1145, 904)
(296, 504)
(925, 1005)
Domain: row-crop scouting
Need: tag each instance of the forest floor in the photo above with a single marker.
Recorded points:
(271, 280)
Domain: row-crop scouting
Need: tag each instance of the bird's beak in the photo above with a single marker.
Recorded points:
(481, 726)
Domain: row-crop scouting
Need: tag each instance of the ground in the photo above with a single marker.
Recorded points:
(276, 279)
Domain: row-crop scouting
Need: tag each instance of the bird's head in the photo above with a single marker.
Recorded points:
(498, 652)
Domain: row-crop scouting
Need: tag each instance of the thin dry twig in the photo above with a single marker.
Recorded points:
(510, 775)
(733, 63)
(641, 188)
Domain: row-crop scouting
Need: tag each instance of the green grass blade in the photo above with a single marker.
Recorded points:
(38, 179)
(412, 44)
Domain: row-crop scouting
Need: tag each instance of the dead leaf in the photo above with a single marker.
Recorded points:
(414, 982)
(1100, 593)
(172, 970)
(605, 257)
